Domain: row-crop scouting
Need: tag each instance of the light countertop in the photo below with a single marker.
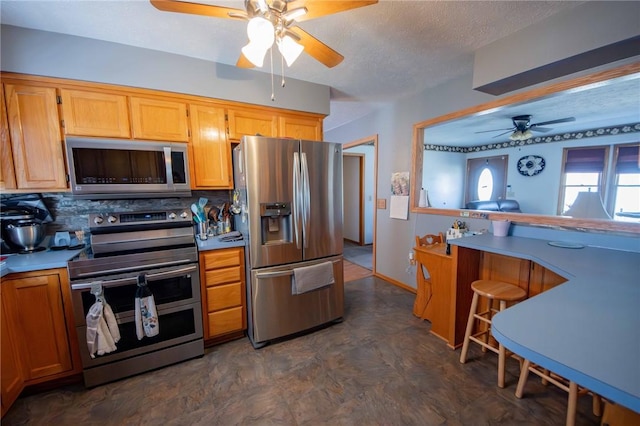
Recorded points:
(587, 329)
(37, 261)
(213, 243)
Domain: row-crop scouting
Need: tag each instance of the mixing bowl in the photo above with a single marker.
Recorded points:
(26, 235)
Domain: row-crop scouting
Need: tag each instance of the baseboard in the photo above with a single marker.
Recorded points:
(396, 283)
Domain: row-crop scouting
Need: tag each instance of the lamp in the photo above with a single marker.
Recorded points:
(587, 205)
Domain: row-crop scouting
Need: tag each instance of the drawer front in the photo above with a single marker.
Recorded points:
(222, 258)
(225, 275)
(226, 321)
(224, 296)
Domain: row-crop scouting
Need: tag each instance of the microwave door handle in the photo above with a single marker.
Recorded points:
(168, 166)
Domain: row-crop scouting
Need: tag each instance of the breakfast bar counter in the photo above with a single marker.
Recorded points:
(587, 329)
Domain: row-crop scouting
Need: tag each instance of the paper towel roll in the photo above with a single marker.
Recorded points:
(423, 198)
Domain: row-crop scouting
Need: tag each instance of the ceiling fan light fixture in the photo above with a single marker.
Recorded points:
(293, 14)
(289, 49)
(521, 136)
(261, 36)
(255, 53)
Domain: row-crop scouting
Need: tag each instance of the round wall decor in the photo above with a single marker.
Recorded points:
(530, 165)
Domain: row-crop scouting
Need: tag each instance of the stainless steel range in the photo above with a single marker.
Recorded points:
(126, 249)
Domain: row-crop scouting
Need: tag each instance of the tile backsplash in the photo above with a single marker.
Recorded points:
(72, 215)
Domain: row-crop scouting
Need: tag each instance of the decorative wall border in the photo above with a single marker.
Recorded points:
(560, 137)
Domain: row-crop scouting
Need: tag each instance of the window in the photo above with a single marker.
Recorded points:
(585, 170)
(486, 178)
(626, 192)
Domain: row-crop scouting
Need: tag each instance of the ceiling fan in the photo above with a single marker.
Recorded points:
(274, 21)
(522, 127)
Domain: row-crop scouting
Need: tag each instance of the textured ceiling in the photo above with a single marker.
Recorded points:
(391, 49)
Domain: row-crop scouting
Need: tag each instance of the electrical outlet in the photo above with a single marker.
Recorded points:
(412, 260)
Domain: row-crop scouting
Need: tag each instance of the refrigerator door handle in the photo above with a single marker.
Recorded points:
(306, 199)
(296, 197)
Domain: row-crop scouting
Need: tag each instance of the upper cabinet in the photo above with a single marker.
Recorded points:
(156, 119)
(300, 128)
(209, 151)
(95, 114)
(7, 174)
(251, 123)
(36, 142)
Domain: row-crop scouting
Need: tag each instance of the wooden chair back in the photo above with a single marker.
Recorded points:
(429, 239)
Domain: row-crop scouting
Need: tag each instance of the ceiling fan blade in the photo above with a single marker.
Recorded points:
(501, 134)
(318, 8)
(243, 62)
(198, 9)
(495, 130)
(560, 120)
(541, 129)
(317, 49)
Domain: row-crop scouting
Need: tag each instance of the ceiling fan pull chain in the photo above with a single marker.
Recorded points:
(282, 67)
(273, 95)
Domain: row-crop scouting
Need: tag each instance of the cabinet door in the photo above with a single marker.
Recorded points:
(7, 174)
(250, 123)
(12, 379)
(95, 114)
(300, 128)
(38, 312)
(155, 119)
(36, 141)
(210, 152)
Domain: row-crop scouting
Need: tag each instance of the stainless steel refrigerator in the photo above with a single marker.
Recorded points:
(290, 193)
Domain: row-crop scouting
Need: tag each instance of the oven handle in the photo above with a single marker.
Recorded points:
(126, 281)
(153, 265)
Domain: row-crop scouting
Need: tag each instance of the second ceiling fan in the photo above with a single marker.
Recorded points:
(522, 127)
(274, 21)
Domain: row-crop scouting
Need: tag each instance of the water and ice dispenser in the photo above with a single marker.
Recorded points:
(275, 223)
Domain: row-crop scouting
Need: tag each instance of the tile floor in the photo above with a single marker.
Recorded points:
(380, 366)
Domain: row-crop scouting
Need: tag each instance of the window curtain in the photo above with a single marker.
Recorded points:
(628, 160)
(585, 160)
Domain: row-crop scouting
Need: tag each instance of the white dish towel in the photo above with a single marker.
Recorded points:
(102, 328)
(146, 315)
(308, 278)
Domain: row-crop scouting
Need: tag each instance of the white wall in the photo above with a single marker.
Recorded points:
(58, 55)
(369, 187)
(351, 195)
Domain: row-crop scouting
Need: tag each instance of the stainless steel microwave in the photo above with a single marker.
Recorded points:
(117, 168)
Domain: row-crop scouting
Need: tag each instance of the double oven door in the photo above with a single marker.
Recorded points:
(176, 292)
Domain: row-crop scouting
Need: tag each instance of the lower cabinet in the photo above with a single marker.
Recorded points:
(38, 335)
(223, 294)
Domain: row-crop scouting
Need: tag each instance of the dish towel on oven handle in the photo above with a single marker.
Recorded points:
(102, 328)
(146, 314)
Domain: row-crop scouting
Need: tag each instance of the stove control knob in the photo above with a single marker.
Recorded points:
(98, 220)
(112, 219)
(184, 215)
(172, 215)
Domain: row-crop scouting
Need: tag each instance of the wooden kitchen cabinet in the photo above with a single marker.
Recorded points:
(88, 113)
(37, 310)
(12, 379)
(7, 174)
(300, 128)
(209, 151)
(250, 123)
(223, 294)
(36, 142)
(451, 276)
(156, 119)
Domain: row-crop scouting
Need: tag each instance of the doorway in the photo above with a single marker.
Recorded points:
(360, 160)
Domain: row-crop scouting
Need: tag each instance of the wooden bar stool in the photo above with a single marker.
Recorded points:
(568, 386)
(491, 290)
